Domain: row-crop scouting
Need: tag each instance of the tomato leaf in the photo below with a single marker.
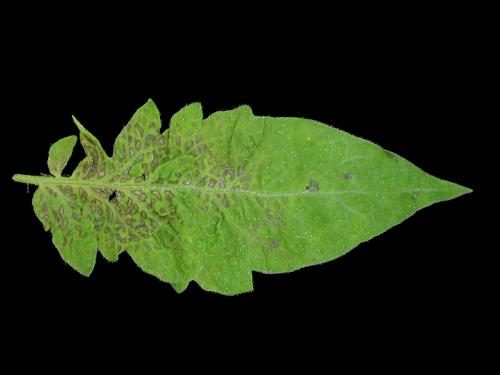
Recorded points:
(213, 199)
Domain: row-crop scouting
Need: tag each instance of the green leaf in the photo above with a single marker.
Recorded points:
(213, 199)
(59, 154)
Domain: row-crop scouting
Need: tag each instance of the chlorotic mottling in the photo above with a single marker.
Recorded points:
(213, 199)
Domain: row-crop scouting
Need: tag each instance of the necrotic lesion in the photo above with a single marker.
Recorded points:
(312, 186)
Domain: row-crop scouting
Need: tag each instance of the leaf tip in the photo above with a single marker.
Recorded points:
(150, 105)
(180, 286)
(78, 124)
(245, 108)
(456, 190)
(86, 272)
(465, 190)
(194, 107)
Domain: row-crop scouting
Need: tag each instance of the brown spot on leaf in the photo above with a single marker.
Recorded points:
(149, 140)
(95, 204)
(140, 129)
(202, 182)
(156, 193)
(61, 217)
(52, 192)
(312, 186)
(225, 202)
(83, 195)
(140, 194)
(390, 154)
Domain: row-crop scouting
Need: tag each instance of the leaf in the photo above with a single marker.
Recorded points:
(213, 199)
(59, 154)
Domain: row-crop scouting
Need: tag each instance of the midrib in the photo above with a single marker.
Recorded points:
(48, 180)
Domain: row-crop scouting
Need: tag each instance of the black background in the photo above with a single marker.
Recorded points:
(403, 82)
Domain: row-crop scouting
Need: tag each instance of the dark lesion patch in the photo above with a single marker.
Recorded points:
(391, 154)
(61, 218)
(347, 175)
(112, 196)
(312, 186)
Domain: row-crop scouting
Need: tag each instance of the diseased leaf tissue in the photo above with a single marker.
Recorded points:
(213, 199)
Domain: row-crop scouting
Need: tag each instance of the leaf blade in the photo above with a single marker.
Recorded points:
(59, 154)
(212, 200)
